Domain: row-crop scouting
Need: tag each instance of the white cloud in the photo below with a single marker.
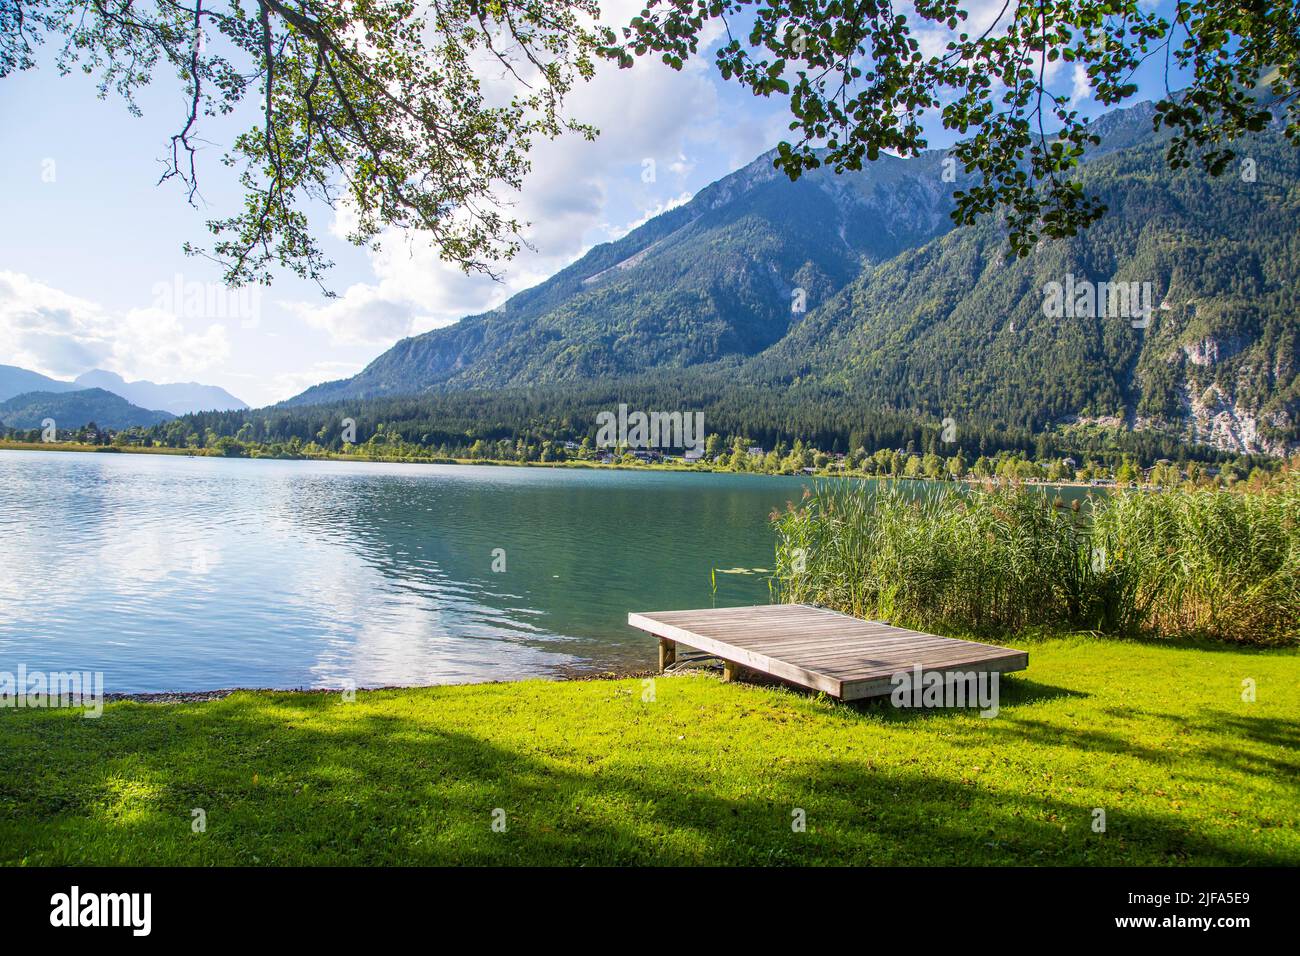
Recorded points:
(617, 232)
(360, 316)
(568, 198)
(287, 384)
(934, 35)
(49, 331)
(681, 166)
(1082, 86)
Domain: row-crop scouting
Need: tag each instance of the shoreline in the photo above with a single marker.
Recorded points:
(687, 665)
(76, 448)
(201, 696)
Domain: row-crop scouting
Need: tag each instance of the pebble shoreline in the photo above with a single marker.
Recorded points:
(198, 696)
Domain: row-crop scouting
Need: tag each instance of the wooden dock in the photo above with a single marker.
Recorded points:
(814, 647)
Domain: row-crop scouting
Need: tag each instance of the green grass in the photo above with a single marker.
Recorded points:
(1156, 734)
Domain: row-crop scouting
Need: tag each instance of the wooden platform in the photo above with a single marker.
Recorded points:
(817, 648)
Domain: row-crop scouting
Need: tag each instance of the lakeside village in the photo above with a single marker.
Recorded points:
(619, 442)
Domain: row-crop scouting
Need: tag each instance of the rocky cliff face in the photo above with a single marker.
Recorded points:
(1226, 413)
(1214, 419)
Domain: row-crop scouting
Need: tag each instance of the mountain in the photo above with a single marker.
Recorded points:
(75, 409)
(953, 328)
(179, 398)
(710, 280)
(15, 381)
(906, 314)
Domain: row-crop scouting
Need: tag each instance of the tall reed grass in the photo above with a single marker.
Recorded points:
(999, 559)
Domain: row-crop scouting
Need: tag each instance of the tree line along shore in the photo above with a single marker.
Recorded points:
(732, 454)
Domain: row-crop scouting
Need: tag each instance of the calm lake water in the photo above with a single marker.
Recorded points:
(175, 573)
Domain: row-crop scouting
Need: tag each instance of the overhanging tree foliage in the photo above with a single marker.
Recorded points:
(418, 114)
(421, 113)
(859, 81)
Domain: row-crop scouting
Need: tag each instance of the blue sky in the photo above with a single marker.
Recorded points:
(92, 273)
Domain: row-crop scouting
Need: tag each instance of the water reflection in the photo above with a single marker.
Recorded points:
(177, 573)
(173, 573)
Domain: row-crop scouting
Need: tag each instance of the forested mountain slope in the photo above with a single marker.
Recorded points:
(906, 314)
(712, 279)
(953, 327)
(76, 408)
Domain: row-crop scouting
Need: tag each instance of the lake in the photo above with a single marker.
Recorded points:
(178, 573)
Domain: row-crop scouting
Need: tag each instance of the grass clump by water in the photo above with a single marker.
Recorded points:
(1004, 558)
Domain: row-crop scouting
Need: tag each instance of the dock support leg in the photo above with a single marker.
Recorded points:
(730, 671)
(667, 653)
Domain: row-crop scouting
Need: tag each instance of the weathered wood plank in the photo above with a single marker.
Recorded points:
(819, 648)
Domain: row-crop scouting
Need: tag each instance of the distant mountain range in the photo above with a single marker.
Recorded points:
(16, 381)
(76, 408)
(902, 312)
(179, 398)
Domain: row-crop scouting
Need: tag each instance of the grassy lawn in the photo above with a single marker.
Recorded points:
(587, 772)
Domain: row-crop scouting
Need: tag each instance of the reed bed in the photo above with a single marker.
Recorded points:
(1005, 558)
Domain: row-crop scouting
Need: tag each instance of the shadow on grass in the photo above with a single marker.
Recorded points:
(1274, 732)
(1012, 690)
(384, 789)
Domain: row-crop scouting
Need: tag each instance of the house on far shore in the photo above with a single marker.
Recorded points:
(755, 451)
(693, 456)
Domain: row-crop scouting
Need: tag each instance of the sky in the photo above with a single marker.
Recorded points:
(92, 272)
